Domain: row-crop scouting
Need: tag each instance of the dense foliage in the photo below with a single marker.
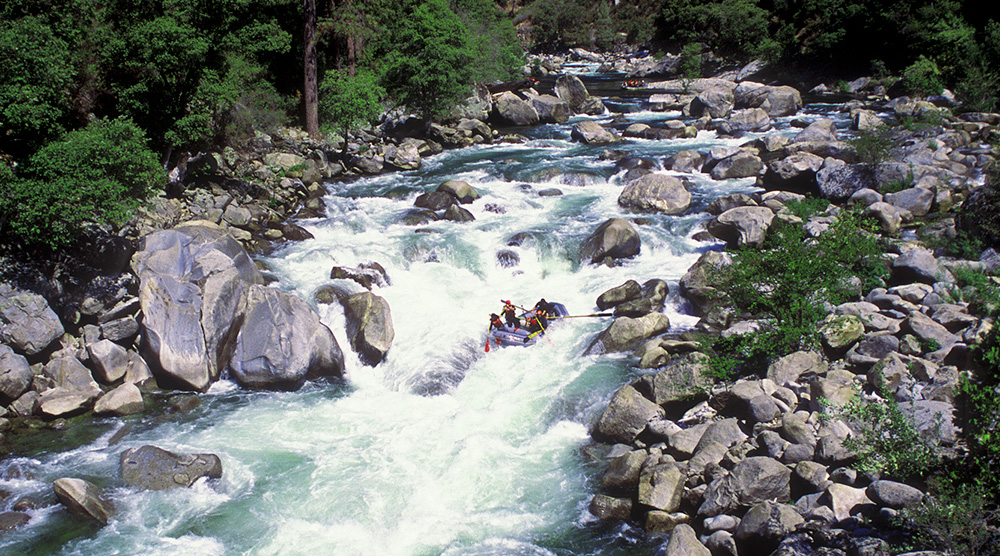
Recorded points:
(933, 43)
(193, 75)
(786, 282)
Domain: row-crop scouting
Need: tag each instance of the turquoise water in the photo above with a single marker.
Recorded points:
(441, 449)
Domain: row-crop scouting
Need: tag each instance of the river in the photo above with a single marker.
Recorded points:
(443, 448)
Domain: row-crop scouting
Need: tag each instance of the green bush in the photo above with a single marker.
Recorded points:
(785, 283)
(956, 519)
(888, 443)
(872, 145)
(807, 207)
(99, 174)
(923, 77)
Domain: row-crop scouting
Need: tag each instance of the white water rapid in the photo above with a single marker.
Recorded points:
(441, 449)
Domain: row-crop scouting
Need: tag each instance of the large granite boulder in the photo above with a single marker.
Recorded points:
(591, 133)
(512, 110)
(282, 343)
(795, 173)
(74, 387)
(656, 192)
(192, 283)
(741, 225)
(626, 416)
(741, 164)
(753, 480)
(750, 120)
(152, 468)
(716, 102)
(550, 109)
(16, 375)
(615, 238)
(83, 498)
(461, 190)
(27, 323)
(369, 326)
(775, 101)
(627, 333)
(839, 182)
(699, 286)
(571, 89)
(124, 400)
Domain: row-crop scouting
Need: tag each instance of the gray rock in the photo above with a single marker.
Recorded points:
(152, 468)
(742, 164)
(138, 371)
(626, 334)
(656, 192)
(369, 326)
(928, 329)
(893, 494)
(435, 200)
(684, 161)
(915, 200)
(768, 522)
(845, 501)
(741, 225)
(26, 404)
(839, 182)
(605, 508)
(124, 400)
(698, 285)
(683, 378)
(13, 520)
(513, 110)
(15, 374)
(110, 360)
(626, 416)
(282, 343)
(661, 487)
(571, 89)
(120, 329)
(683, 443)
(763, 409)
(821, 130)
(726, 432)
(193, 279)
(934, 420)
(69, 373)
(456, 213)
(590, 132)
(615, 238)
(623, 471)
(753, 480)
(722, 543)
(793, 173)
(919, 265)
(461, 190)
(684, 542)
(789, 368)
(27, 323)
(751, 120)
(550, 109)
(618, 295)
(716, 102)
(83, 498)
(797, 430)
(64, 402)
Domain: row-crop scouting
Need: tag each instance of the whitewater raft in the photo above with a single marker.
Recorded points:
(509, 336)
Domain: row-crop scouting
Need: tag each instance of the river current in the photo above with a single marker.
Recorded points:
(443, 449)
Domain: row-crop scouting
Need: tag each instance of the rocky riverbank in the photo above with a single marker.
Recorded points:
(182, 303)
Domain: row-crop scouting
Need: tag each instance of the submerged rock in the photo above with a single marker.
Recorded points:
(152, 468)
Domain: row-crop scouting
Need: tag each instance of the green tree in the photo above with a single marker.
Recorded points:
(35, 78)
(347, 101)
(493, 44)
(426, 60)
(99, 173)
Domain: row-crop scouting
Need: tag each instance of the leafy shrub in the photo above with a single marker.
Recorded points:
(786, 281)
(872, 145)
(888, 443)
(99, 173)
(923, 77)
(690, 63)
(955, 520)
(807, 207)
(348, 101)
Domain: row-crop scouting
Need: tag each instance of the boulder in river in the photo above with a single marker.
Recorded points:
(369, 326)
(83, 498)
(152, 468)
(282, 343)
(615, 238)
(591, 133)
(192, 281)
(656, 192)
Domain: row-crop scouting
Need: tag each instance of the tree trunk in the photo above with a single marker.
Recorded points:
(310, 86)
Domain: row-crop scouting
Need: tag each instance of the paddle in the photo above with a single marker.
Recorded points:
(582, 316)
